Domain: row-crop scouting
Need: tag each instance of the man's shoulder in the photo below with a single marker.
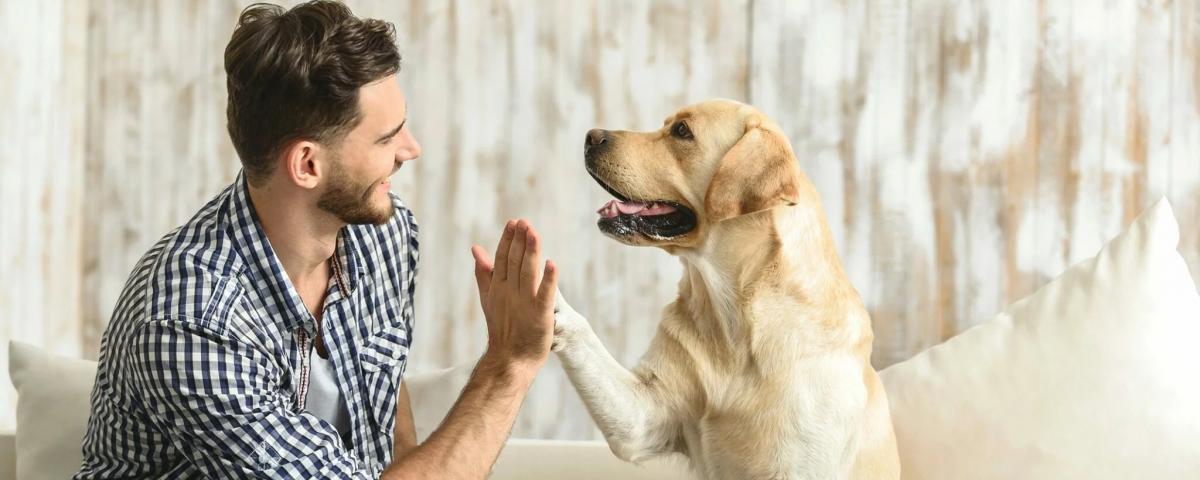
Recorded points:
(193, 270)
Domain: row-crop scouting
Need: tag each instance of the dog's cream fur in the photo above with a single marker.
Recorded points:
(761, 367)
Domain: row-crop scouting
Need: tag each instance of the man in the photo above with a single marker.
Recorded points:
(268, 335)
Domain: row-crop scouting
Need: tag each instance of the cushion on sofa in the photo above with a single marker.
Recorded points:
(1096, 375)
(53, 400)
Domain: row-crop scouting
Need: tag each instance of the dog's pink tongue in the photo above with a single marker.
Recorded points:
(630, 208)
(616, 207)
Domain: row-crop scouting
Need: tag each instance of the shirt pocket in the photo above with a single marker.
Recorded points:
(383, 359)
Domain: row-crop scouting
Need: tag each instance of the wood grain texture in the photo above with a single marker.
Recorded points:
(42, 184)
(966, 152)
(157, 148)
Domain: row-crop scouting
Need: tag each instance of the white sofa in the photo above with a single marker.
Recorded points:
(522, 459)
(8, 456)
(1094, 376)
(53, 407)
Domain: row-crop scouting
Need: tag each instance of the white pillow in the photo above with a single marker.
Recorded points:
(53, 402)
(1096, 375)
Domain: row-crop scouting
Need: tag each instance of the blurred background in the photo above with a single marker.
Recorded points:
(966, 151)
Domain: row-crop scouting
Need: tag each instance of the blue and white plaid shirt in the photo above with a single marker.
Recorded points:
(204, 366)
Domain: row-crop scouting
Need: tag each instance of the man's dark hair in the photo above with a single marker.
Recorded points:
(295, 74)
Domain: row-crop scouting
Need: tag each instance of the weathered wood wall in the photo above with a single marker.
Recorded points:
(43, 60)
(966, 151)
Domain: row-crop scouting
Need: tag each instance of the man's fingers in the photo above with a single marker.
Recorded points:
(530, 273)
(548, 289)
(483, 276)
(483, 270)
(516, 253)
(501, 266)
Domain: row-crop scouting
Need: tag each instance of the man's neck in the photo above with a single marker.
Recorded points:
(303, 237)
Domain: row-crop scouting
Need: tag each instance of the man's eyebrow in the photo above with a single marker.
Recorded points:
(392, 133)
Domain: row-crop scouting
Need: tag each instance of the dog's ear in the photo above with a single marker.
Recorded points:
(758, 173)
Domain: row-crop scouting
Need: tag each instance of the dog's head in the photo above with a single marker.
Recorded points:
(709, 162)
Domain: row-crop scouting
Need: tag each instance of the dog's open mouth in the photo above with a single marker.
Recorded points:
(657, 219)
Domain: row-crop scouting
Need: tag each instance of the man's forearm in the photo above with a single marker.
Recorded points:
(470, 438)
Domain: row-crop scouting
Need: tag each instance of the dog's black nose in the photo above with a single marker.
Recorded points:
(595, 138)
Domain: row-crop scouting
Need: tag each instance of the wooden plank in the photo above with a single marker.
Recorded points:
(41, 179)
(1148, 105)
(1099, 42)
(1184, 185)
(156, 138)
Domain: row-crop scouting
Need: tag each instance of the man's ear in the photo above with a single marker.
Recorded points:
(298, 162)
(758, 173)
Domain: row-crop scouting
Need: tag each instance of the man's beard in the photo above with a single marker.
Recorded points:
(349, 201)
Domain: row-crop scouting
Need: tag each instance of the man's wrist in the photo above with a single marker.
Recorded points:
(520, 370)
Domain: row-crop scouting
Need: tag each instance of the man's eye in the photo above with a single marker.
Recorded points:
(681, 130)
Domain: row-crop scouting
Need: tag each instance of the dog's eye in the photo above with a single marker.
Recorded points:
(681, 130)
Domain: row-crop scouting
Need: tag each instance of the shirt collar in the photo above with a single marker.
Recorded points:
(250, 241)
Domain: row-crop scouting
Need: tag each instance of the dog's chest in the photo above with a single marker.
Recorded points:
(752, 449)
(777, 428)
(732, 444)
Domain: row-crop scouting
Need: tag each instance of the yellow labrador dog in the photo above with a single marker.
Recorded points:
(761, 367)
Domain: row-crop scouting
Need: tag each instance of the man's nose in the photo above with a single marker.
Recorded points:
(409, 150)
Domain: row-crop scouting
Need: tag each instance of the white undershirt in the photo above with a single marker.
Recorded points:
(324, 399)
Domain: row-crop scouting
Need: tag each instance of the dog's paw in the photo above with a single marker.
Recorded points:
(566, 327)
(567, 323)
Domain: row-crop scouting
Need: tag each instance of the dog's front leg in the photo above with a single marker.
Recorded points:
(630, 408)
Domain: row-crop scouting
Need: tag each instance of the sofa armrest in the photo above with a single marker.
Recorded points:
(8, 456)
(526, 459)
